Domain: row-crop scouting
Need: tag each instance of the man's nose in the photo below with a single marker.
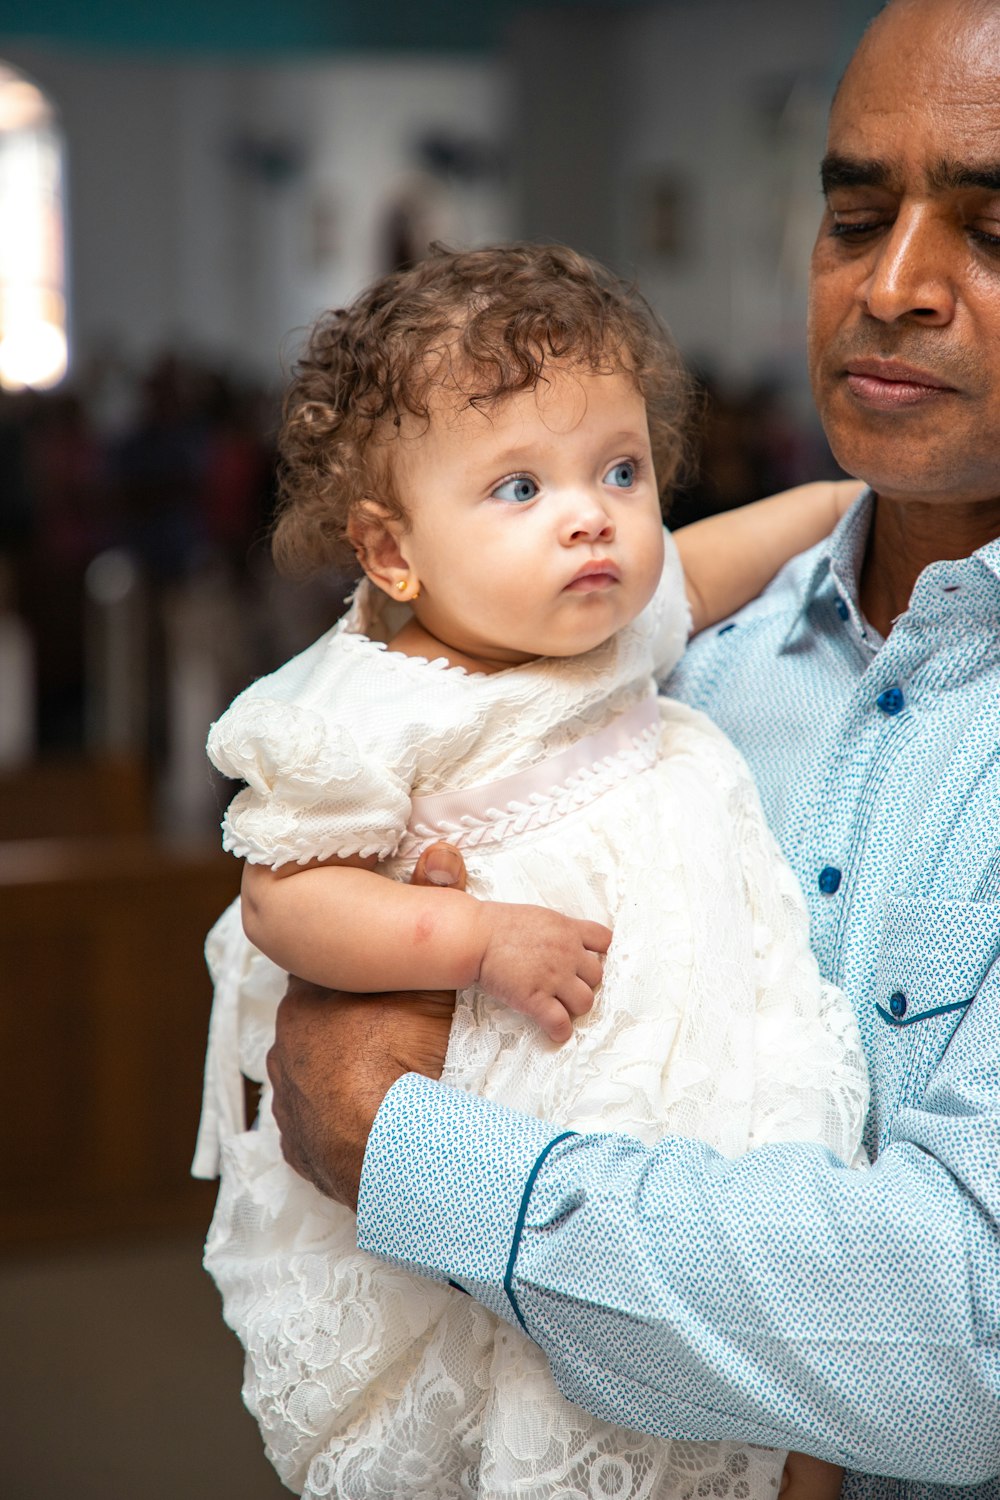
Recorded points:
(586, 519)
(913, 272)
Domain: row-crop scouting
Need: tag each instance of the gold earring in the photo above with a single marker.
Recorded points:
(401, 585)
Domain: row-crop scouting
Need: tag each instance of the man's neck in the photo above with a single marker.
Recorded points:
(905, 538)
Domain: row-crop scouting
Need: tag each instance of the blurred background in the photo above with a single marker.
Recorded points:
(182, 189)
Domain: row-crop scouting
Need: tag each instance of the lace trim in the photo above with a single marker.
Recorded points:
(402, 661)
(544, 792)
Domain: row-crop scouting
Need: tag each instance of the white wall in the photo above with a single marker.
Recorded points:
(708, 81)
(172, 244)
(690, 91)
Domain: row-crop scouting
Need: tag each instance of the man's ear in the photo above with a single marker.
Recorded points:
(379, 542)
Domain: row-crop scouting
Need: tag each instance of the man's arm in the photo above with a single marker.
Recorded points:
(780, 1298)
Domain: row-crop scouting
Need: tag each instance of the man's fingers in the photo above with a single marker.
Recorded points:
(441, 864)
(427, 1030)
(436, 1005)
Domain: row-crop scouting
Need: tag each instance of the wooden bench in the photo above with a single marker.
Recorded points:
(69, 797)
(104, 1003)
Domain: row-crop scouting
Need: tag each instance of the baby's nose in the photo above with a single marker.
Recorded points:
(588, 520)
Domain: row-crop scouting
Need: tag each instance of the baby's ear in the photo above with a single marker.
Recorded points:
(376, 534)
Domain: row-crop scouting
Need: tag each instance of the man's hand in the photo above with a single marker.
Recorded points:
(335, 1057)
(542, 964)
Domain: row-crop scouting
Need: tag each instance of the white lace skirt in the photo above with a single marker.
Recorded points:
(711, 1022)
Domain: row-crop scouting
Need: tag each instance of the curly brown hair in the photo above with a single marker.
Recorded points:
(492, 318)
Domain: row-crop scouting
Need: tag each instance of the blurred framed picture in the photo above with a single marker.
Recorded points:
(663, 200)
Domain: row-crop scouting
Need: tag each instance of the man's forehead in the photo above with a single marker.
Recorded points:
(921, 59)
(922, 96)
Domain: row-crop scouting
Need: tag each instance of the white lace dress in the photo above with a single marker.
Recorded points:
(568, 784)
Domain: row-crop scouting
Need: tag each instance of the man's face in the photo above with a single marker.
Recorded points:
(904, 326)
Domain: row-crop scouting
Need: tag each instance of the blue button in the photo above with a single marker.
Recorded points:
(891, 701)
(841, 608)
(897, 1003)
(829, 879)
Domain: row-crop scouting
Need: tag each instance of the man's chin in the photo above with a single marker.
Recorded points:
(893, 467)
(911, 454)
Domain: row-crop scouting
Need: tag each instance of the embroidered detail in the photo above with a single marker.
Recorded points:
(508, 1277)
(543, 793)
(924, 1015)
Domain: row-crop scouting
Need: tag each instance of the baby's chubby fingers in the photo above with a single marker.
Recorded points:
(576, 995)
(594, 935)
(554, 1019)
(542, 963)
(590, 968)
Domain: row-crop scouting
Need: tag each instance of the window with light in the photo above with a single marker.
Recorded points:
(32, 263)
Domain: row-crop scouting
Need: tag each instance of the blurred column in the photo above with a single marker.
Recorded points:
(17, 681)
(116, 654)
(571, 94)
(204, 654)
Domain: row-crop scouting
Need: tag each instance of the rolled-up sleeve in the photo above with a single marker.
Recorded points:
(780, 1298)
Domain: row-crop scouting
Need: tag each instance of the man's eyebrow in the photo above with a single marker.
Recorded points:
(851, 171)
(945, 175)
(959, 174)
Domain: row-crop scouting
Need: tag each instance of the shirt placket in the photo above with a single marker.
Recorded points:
(845, 842)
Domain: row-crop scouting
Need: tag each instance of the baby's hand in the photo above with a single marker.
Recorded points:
(542, 964)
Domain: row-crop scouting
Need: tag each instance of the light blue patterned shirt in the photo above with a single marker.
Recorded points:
(781, 1298)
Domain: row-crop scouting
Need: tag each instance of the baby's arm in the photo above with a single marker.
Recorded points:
(340, 925)
(728, 559)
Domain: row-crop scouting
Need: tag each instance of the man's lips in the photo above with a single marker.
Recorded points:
(594, 576)
(887, 384)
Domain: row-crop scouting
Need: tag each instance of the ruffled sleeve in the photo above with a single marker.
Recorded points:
(311, 792)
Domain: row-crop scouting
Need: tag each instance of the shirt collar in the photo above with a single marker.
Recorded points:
(839, 559)
(989, 556)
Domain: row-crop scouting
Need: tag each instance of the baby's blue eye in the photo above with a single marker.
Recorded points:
(622, 476)
(519, 489)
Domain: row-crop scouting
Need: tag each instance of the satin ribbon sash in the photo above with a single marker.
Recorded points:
(542, 793)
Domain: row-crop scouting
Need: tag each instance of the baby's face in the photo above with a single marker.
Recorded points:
(534, 525)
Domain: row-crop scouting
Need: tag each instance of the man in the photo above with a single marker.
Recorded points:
(782, 1298)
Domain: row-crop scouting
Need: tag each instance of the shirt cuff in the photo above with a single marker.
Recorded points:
(445, 1186)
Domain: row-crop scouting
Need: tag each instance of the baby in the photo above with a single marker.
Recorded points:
(491, 432)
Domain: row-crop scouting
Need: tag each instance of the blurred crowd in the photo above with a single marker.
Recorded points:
(747, 441)
(173, 468)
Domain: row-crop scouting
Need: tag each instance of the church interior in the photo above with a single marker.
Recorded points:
(182, 190)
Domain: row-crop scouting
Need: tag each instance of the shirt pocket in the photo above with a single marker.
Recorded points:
(933, 958)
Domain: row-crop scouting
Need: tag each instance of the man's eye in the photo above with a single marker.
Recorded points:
(520, 489)
(854, 229)
(622, 476)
